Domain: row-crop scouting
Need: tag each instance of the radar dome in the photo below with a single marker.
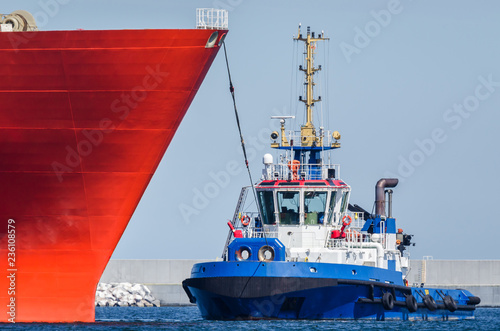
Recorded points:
(268, 159)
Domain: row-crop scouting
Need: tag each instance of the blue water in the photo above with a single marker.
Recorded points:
(188, 318)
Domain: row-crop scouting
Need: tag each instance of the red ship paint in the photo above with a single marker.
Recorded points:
(85, 118)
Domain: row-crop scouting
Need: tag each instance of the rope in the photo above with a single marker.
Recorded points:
(231, 89)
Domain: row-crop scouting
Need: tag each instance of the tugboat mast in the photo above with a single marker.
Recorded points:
(306, 155)
(308, 132)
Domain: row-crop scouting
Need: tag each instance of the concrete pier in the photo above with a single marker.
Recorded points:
(480, 277)
(164, 277)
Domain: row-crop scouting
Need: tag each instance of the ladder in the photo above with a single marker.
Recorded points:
(239, 206)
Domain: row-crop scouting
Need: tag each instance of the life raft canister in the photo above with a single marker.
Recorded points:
(294, 166)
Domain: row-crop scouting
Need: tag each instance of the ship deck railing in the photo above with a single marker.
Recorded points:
(305, 171)
(357, 220)
(212, 18)
(354, 235)
(252, 231)
(352, 232)
(349, 241)
(323, 138)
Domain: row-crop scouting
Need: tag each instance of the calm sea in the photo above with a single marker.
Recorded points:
(188, 318)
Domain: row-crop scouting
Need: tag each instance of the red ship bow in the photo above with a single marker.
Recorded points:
(85, 118)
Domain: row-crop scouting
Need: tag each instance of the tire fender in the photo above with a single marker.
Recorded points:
(430, 303)
(449, 303)
(388, 301)
(411, 303)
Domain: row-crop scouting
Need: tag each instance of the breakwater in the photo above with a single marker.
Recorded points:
(124, 295)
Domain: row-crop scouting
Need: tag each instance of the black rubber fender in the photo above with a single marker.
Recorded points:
(388, 301)
(192, 299)
(430, 303)
(449, 303)
(474, 300)
(411, 303)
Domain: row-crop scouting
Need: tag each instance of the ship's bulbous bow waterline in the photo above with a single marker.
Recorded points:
(85, 118)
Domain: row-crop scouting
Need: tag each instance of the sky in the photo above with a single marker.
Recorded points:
(412, 86)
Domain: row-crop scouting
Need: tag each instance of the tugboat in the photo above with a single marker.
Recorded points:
(306, 253)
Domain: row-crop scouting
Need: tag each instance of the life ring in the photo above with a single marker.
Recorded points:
(245, 220)
(388, 301)
(294, 166)
(411, 303)
(343, 220)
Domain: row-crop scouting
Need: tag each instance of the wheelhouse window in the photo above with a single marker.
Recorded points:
(314, 207)
(288, 207)
(267, 203)
(345, 199)
(331, 207)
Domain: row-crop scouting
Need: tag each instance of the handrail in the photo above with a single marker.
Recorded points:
(212, 18)
(304, 171)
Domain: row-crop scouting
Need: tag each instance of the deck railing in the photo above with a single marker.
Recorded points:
(211, 18)
(304, 171)
(323, 138)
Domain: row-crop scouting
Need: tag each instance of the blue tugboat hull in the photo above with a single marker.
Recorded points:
(232, 290)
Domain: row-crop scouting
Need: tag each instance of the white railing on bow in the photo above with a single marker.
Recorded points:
(211, 18)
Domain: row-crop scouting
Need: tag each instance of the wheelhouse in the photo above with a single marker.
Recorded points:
(303, 202)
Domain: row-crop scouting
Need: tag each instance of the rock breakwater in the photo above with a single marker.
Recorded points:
(124, 295)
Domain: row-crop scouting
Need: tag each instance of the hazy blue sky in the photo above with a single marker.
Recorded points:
(413, 87)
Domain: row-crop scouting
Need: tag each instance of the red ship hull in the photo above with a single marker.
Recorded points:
(85, 118)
